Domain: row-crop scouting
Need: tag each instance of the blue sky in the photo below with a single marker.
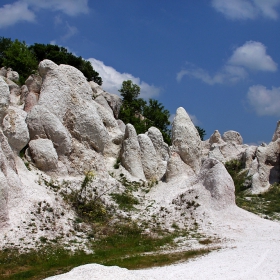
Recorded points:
(219, 59)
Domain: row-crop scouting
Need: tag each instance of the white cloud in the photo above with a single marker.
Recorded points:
(25, 10)
(112, 80)
(69, 7)
(247, 9)
(253, 55)
(70, 31)
(228, 73)
(264, 101)
(12, 13)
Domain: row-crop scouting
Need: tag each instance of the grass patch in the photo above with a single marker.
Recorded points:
(124, 245)
(125, 200)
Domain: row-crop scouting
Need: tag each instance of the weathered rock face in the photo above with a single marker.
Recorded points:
(44, 154)
(216, 138)
(148, 157)
(114, 101)
(185, 140)
(15, 128)
(131, 153)
(4, 98)
(34, 83)
(12, 75)
(44, 124)
(96, 88)
(264, 166)
(102, 101)
(232, 136)
(66, 93)
(177, 168)
(30, 101)
(3, 199)
(3, 72)
(162, 150)
(215, 178)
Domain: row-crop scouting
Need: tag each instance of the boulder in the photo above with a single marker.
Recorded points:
(131, 153)
(102, 101)
(14, 92)
(177, 168)
(215, 178)
(12, 75)
(232, 136)
(34, 83)
(186, 140)
(43, 124)
(66, 93)
(216, 138)
(114, 101)
(15, 128)
(121, 126)
(148, 157)
(44, 154)
(23, 93)
(4, 98)
(30, 100)
(3, 72)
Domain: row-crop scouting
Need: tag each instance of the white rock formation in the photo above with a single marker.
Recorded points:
(43, 124)
(44, 154)
(15, 128)
(4, 98)
(185, 140)
(148, 157)
(12, 75)
(131, 153)
(232, 136)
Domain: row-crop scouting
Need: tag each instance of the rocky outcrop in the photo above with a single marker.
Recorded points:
(4, 98)
(148, 157)
(276, 134)
(185, 140)
(232, 136)
(12, 75)
(162, 150)
(43, 124)
(15, 128)
(44, 154)
(177, 168)
(66, 93)
(34, 83)
(131, 153)
(102, 101)
(215, 178)
(114, 101)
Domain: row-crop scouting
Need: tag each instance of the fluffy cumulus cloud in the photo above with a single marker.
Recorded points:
(251, 56)
(25, 10)
(112, 80)
(247, 9)
(264, 101)
(10, 14)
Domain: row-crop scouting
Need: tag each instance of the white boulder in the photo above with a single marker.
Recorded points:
(15, 128)
(131, 153)
(232, 136)
(186, 140)
(44, 154)
(4, 98)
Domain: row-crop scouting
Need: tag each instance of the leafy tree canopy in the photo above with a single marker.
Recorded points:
(141, 114)
(24, 59)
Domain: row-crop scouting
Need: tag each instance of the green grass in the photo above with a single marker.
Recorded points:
(124, 245)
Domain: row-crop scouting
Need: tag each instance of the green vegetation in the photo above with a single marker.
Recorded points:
(24, 59)
(142, 115)
(266, 204)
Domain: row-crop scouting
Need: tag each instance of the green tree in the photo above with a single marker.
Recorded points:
(60, 55)
(21, 59)
(136, 111)
(201, 132)
(5, 43)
